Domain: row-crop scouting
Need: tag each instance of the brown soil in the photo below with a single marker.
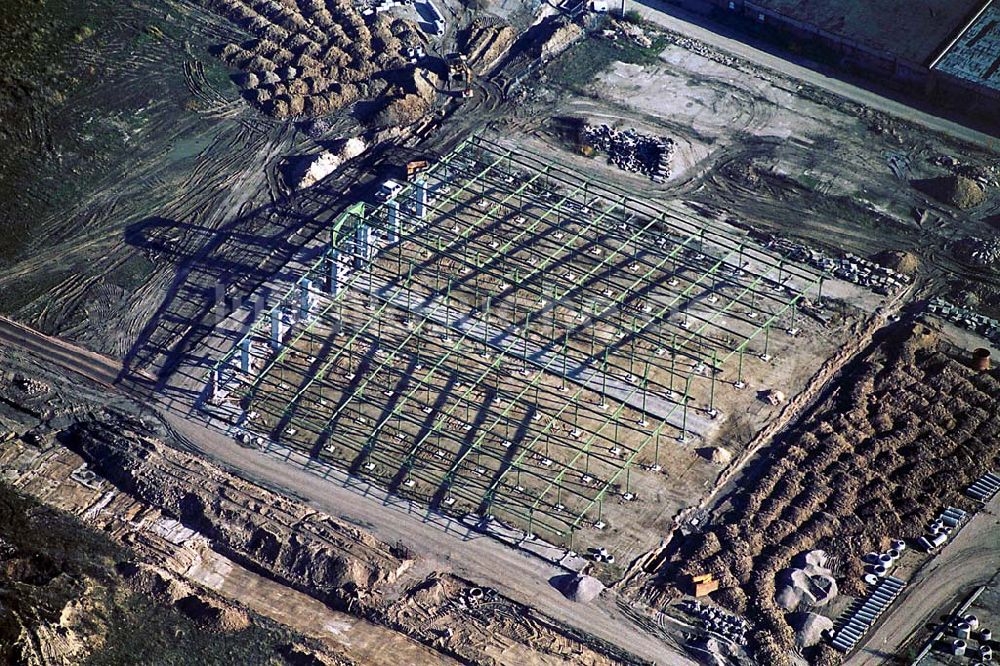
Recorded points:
(898, 260)
(958, 191)
(479, 626)
(485, 41)
(312, 57)
(329, 559)
(892, 446)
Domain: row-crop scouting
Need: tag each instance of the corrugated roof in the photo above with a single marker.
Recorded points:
(915, 30)
(975, 56)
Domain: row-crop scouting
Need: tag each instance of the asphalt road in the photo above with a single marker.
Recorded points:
(971, 559)
(676, 22)
(438, 539)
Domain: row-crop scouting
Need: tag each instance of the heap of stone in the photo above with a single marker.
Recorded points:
(631, 151)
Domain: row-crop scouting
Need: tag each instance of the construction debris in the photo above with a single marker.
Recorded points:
(965, 318)
(719, 622)
(850, 267)
(630, 151)
(774, 397)
(704, 584)
(979, 251)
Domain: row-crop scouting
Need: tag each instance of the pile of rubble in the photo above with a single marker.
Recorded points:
(850, 267)
(704, 50)
(979, 251)
(635, 33)
(965, 318)
(719, 622)
(631, 151)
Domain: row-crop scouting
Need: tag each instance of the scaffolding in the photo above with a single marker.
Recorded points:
(507, 339)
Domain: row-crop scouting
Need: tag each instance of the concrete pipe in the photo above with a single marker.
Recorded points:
(962, 630)
(971, 620)
(958, 648)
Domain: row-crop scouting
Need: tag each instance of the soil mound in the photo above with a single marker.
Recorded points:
(720, 455)
(582, 588)
(898, 260)
(330, 560)
(312, 58)
(809, 628)
(958, 191)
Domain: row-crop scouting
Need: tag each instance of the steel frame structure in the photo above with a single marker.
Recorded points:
(427, 348)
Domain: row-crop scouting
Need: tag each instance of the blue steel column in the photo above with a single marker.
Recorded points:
(332, 277)
(361, 246)
(245, 355)
(393, 233)
(276, 326)
(305, 298)
(420, 192)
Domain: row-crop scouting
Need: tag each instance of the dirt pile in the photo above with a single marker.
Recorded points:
(583, 589)
(743, 172)
(409, 98)
(485, 41)
(958, 191)
(894, 443)
(72, 595)
(208, 612)
(811, 583)
(809, 628)
(564, 34)
(330, 560)
(719, 455)
(900, 261)
(54, 601)
(313, 57)
(317, 167)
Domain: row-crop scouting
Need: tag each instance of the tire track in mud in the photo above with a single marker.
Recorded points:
(245, 186)
(771, 204)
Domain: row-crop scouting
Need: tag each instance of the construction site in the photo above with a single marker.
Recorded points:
(494, 332)
(504, 339)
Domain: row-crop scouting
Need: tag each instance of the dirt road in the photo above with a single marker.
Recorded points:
(972, 558)
(437, 538)
(99, 368)
(673, 21)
